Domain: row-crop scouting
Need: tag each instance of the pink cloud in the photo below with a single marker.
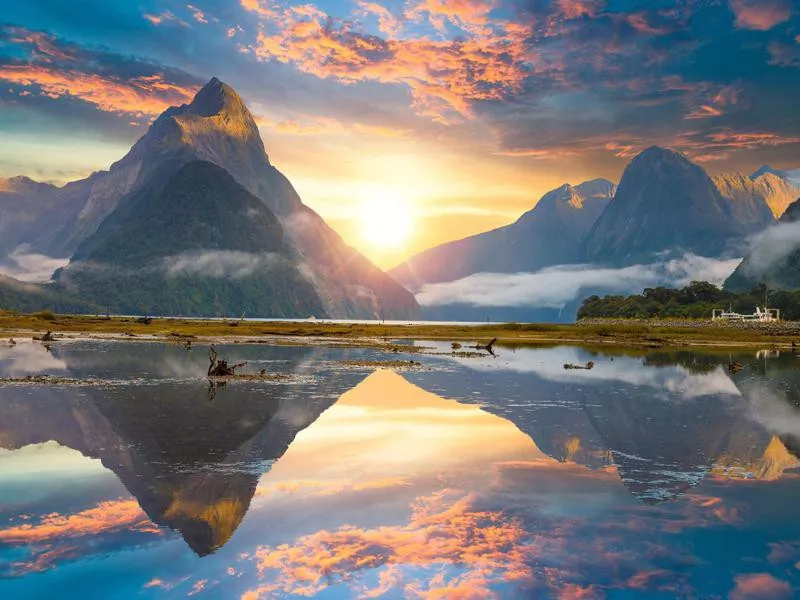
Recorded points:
(761, 15)
(760, 586)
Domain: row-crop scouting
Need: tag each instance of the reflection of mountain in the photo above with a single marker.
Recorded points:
(772, 389)
(192, 464)
(664, 425)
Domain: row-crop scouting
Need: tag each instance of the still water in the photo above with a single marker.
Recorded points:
(654, 475)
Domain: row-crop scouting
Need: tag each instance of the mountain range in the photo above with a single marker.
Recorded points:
(550, 233)
(195, 220)
(665, 206)
(145, 213)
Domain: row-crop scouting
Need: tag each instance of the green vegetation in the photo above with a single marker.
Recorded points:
(695, 301)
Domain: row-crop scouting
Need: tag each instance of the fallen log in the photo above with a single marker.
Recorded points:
(587, 367)
(221, 368)
(487, 347)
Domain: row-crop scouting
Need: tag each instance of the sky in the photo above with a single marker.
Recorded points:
(462, 113)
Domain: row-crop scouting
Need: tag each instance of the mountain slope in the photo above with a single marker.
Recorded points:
(549, 234)
(192, 242)
(749, 195)
(751, 201)
(664, 203)
(217, 127)
(791, 175)
(775, 259)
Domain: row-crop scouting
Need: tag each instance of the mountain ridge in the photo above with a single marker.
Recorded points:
(546, 235)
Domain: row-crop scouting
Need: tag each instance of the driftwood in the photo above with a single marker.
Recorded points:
(220, 368)
(735, 367)
(47, 337)
(145, 320)
(587, 367)
(487, 347)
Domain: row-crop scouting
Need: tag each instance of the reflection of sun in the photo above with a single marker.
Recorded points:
(385, 221)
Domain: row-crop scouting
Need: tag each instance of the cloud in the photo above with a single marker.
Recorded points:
(554, 287)
(760, 586)
(761, 15)
(220, 263)
(488, 62)
(109, 82)
(775, 245)
(30, 266)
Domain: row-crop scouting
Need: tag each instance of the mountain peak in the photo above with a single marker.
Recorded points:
(657, 153)
(214, 98)
(766, 169)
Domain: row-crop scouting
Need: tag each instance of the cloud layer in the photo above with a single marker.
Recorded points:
(554, 287)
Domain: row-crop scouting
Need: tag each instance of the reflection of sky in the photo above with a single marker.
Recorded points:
(548, 363)
(398, 492)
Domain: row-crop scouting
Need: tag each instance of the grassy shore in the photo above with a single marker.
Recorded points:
(653, 334)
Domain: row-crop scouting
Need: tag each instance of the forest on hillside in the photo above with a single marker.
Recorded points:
(697, 300)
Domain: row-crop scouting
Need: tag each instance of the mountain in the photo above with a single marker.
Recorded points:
(549, 234)
(774, 260)
(751, 195)
(748, 199)
(791, 175)
(664, 203)
(191, 242)
(217, 127)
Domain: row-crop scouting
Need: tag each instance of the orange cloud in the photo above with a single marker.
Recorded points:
(197, 14)
(445, 76)
(106, 516)
(490, 547)
(760, 586)
(388, 23)
(140, 96)
(760, 14)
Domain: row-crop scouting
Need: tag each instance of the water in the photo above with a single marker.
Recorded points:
(652, 475)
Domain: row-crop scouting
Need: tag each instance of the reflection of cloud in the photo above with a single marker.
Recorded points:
(488, 547)
(554, 287)
(549, 364)
(59, 537)
(771, 408)
(106, 516)
(27, 358)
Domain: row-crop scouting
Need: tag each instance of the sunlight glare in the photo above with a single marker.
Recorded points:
(386, 220)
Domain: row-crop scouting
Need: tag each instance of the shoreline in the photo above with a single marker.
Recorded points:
(595, 333)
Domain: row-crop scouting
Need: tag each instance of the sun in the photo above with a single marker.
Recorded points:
(386, 221)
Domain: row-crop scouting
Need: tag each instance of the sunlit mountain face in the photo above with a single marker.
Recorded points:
(655, 474)
(406, 125)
